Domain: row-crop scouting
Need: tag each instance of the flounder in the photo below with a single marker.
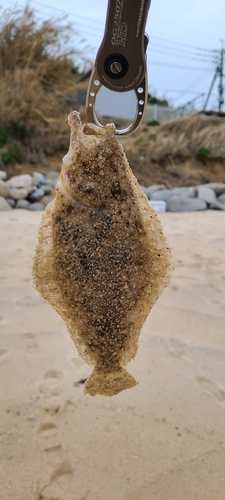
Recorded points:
(101, 259)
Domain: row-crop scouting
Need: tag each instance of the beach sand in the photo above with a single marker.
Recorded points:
(162, 440)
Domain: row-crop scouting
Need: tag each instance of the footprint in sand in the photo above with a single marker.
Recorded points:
(31, 343)
(53, 376)
(59, 483)
(52, 405)
(178, 349)
(54, 455)
(4, 355)
(46, 430)
(51, 390)
(212, 389)
(49, 439)
(50, 442)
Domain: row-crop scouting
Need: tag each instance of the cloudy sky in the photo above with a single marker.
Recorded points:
(184, 37)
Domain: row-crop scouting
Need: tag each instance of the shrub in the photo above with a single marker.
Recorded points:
(6, 157)
(153, 123)
(202, 154)
(3, 138)
(13, 154)
(20, 131)
(205, 179)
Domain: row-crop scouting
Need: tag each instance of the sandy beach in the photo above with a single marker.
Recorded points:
(162, 440)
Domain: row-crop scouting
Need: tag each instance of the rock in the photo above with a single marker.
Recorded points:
(185, 204)
(46, 200)
(20, 181)
(4, 189)
(206, 194)
(158, 205)
(52, 175)
(217, 205)
(11, 202)
(3, 175)
(150, 189)
(218, 187)
(36, 206)
(166, 194)
(36, 195)
(30, 189)
(4, 205)
(221, 198)
(39, 179)
(23, 204)
(48, 188)
(18, 193)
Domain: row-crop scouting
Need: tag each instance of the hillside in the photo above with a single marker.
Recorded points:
(183, 152)
(40, 81)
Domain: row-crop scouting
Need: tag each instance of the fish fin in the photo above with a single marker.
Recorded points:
(108, 383)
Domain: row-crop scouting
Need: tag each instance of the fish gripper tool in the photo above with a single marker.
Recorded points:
(120, 64)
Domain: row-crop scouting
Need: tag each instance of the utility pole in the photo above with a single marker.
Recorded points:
(219, 73)
(220, 88)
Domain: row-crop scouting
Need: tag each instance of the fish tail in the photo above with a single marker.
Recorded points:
(108, 383)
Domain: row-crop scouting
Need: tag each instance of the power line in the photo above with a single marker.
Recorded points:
(176, 66)
(101, 23)
(182, 27)
(78, 24)
(184, 51)
(62, 11)
(183, 44)
(180, 55)
(67, 12)
(194, 82)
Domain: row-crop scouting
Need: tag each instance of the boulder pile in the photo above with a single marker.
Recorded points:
(188, 199)
(34, 192)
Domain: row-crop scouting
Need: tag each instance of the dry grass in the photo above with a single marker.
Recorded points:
(37, 71)
(168, 153)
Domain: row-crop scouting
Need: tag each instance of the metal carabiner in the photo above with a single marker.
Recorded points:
(120, 64)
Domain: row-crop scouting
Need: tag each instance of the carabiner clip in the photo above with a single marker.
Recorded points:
(141, 96)
(120, 64)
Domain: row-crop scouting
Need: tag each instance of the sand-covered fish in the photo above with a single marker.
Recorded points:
(101, 260)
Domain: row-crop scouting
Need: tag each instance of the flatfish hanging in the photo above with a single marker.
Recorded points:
(101, 259)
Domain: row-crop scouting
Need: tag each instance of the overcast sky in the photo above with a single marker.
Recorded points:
(183, 35)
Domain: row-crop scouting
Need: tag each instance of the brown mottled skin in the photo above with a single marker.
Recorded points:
(101, 260)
